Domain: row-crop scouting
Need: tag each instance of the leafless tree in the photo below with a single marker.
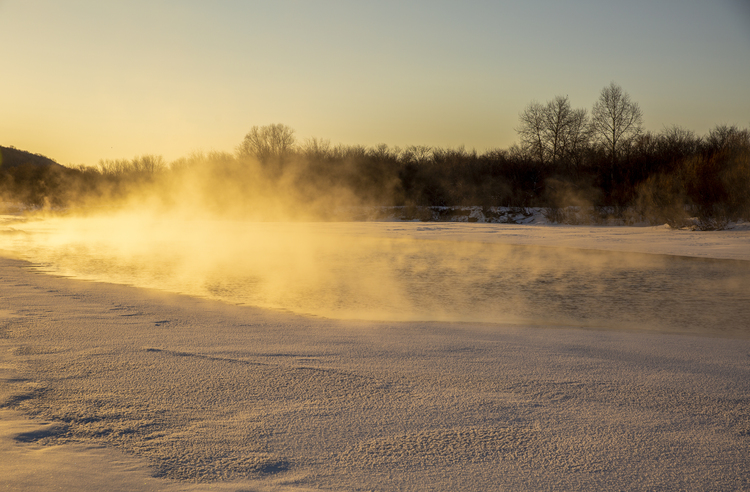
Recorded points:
(578, 136)
(382, 152)
(723, 137)
(419, 154)
(615, 120)
(557, 118)
(533, 130)
(143, 166)
(554, 132)
(678, 142)
(275, 141)
(316, 149)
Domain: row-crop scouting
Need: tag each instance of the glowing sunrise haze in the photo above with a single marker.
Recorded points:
(86, 80)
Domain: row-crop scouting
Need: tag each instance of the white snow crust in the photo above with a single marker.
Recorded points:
(111, 387)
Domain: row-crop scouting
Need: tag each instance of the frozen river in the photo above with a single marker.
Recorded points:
(357, 271)
(207, 395)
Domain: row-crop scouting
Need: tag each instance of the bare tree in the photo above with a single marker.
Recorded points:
(557, 118)
(723, 137)
(615, 120)
(142, 166)
(275, 141)
(316, 149)
(533, 130)
(419, 154)
(554, 132)
(382, 152)
(578, 136)
(677, 142)
(566, 129)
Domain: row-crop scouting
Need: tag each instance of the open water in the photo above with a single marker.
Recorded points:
(297, 268)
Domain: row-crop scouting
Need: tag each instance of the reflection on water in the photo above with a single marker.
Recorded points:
(297, 268)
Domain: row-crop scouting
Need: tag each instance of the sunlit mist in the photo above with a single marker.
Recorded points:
(339, 271)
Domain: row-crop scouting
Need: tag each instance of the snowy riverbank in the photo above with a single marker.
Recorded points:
(207, 395)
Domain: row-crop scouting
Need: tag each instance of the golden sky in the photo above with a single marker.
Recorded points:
(88, 80)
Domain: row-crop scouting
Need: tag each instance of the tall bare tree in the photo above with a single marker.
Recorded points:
(557, 118)
(553, 132)
(275, 141)
(533, 130)
(578, 137)
(615, 120)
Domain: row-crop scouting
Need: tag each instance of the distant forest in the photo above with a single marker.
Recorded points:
(577, 165)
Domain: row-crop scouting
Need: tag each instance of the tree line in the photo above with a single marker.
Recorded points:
(602, 161)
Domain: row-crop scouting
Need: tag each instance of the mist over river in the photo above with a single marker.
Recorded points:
(355, 272)
(537, 357)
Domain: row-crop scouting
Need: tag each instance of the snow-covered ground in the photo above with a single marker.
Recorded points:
(122, 384)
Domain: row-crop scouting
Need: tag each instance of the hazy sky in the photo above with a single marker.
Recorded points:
(86, 80)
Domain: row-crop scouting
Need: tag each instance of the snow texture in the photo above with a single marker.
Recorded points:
(106, 386)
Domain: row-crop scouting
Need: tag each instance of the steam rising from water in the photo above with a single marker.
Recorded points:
(327, 269)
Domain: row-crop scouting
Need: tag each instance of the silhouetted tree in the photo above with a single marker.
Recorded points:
(138, 169)
(275, 141)
(671, 176)
(724, 137)
(577, 137)
(615, 120)
(532, 131)
(316, 149)
(554, 132)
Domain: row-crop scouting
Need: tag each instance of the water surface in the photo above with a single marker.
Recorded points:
(308, 269)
